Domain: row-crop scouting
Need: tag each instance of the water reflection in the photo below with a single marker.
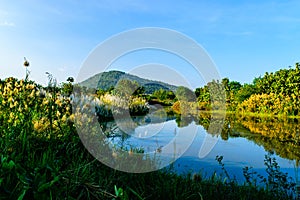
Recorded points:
(161, 134)
(280, 136)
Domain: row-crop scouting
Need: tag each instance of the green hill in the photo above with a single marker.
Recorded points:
(105, 80)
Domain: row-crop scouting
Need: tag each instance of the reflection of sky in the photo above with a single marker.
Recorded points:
(237, 152)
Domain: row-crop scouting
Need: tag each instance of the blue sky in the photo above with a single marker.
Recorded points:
(244, 38)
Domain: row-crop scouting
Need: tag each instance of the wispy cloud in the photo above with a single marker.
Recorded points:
(62, 69)
(6, 23)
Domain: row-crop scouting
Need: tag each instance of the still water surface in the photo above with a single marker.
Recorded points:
(242, 142)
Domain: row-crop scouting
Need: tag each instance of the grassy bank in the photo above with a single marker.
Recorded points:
(42, 157)
(52, 169)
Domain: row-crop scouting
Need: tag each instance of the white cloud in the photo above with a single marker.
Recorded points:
(62, 69)
(6, 23)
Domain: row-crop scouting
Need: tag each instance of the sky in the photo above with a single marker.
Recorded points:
(244, 39)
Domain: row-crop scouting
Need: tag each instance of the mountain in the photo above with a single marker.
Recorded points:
(105, 80)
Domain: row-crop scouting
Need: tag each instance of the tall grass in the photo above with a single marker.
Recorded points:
(42, 157)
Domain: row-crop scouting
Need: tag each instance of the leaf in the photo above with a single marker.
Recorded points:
(116, 191)
(48, 185)
(22, 195)
(135, 193)
(11, 164)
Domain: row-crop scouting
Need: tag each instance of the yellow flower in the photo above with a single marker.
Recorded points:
(71, 118)
(16, 91)
(58, 102)
(32, 94)
(29, 86)
(11, 115)
(37, 126)
(58, 114)
(25, 107)
(10, 100)
(45, 102)
(64, 118)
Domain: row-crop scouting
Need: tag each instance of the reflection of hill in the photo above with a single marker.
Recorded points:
(279, 136)
(127, 125)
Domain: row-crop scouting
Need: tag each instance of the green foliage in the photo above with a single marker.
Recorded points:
(203, 94)
(126, 87)
(274, 93)
(280, 88)
(42, 157)
(245, 92)
(276, 182)
(185, 94)
(67, 88)
(106, 80)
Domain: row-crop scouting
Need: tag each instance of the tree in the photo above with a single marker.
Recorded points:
(126, 87)
(245, 92)
(185, 94)
(202, 94)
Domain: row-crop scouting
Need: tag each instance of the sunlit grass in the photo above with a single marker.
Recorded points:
(42, 157)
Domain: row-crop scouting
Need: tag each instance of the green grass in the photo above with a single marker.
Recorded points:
(56, 170)
(48, 161)
(63, 169)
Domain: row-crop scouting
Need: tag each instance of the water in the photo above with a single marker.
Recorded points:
(241, 143)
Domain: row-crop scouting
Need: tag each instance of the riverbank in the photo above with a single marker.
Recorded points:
(51, 169)
(42, 157)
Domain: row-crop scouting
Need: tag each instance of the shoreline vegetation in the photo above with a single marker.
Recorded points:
(42, 156)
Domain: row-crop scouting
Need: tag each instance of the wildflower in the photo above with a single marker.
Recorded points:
(58, 102)
(29, 86)
(72, 117)
(25, 107)
(64, 118)
(58, 114)
(45, 102)
(26, 63)
(67, 108)
(16, 91)
(37, 126)
(32, 94)
(55, 124)
(10, 100)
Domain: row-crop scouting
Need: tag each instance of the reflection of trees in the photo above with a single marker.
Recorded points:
(275, 135)
(212, 124)
(283, 149)
(183, 121)
(280, 136)
(282, 130)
